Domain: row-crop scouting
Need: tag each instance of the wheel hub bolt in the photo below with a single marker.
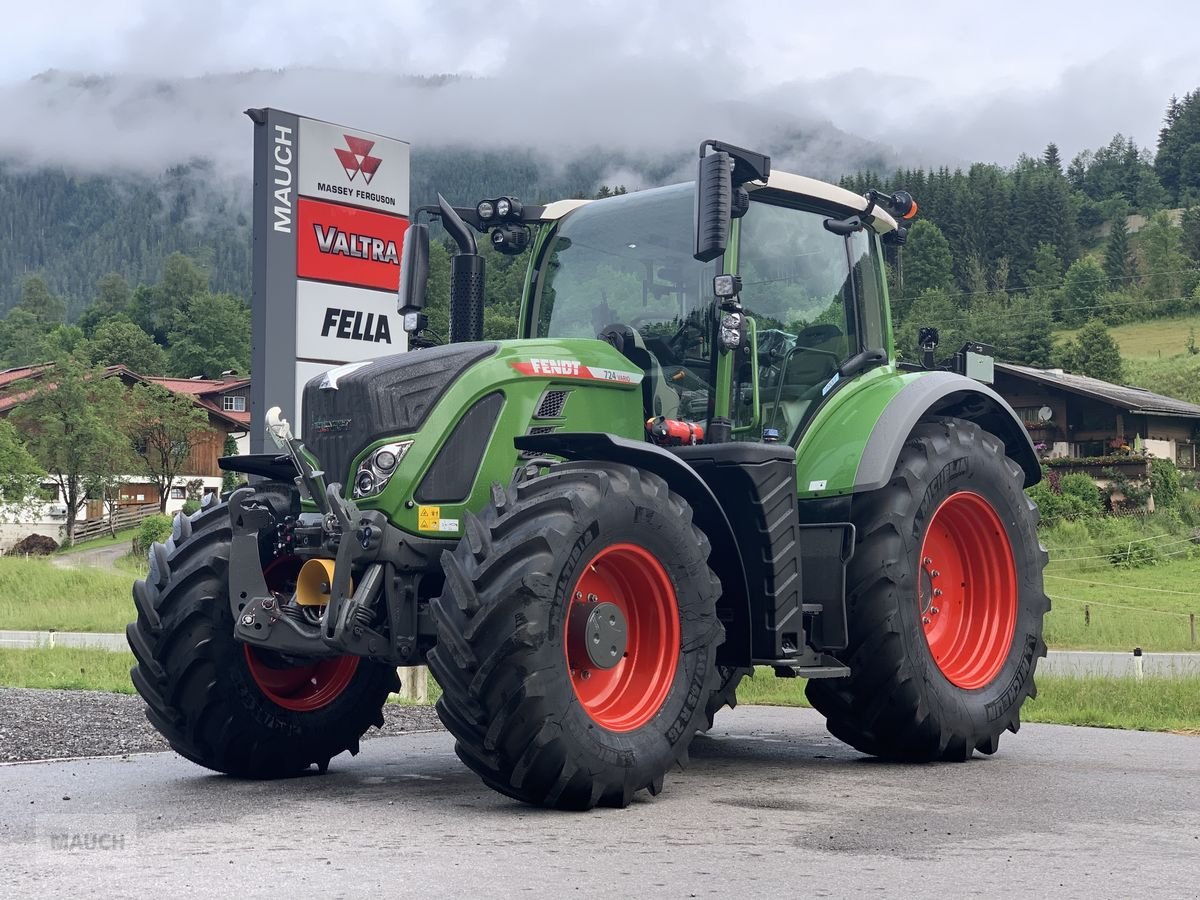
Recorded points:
(934, 610)
(924, 620)
(247, 619)
(928, 561)
(934, 574)
(592, 598)
(937, 592)
(585, 674)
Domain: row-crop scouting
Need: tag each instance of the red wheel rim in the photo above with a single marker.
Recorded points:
(627, 695)
(302, 688)
(967, 595)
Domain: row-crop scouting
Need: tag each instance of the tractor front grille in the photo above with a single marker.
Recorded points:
(389, 397)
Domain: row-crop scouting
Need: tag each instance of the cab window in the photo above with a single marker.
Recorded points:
(807, 290)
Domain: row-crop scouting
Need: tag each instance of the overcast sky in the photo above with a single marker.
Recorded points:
(935, 80)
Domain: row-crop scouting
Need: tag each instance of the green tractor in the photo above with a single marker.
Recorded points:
(700, 457)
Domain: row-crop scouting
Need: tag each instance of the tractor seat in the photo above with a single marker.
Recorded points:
(658, 397)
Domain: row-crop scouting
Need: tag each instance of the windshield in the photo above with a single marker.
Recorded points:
(627, 262)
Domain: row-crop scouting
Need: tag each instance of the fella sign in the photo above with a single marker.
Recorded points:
(330, 212)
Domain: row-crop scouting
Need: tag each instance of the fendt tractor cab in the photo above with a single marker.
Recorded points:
(700, 456)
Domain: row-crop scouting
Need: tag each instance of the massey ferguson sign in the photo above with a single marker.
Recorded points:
(330, 212)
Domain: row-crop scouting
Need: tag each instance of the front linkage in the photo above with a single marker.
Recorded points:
(352, 613)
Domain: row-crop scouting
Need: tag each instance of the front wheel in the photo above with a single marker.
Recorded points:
(577, 635)
(226, 705)
(945, 603)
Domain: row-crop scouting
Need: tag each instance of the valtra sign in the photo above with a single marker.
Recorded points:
(348, 245)
(330, 212)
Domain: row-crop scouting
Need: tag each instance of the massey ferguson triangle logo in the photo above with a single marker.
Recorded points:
(358, 158)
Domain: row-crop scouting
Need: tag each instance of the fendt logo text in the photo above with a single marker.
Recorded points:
(358, 158)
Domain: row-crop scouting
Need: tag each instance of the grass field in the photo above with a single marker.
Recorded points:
(37, 595)
(1156, 704)
(1151, 339)
(67, 669)
(1099, 607)
(1145, 608)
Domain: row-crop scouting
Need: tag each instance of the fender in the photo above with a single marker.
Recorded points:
(265, 465)
(942, 394)
(733, 607)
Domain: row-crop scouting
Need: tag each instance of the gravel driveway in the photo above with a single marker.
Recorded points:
(39, 724)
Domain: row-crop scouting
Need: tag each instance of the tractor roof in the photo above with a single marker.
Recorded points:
(778, 182)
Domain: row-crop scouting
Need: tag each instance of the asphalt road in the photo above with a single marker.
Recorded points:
(771, 806)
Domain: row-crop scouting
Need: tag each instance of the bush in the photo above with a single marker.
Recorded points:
(1080, 495)
(1134, 556)
(153, 528)
(190, 506)
(1049, 504)
(1164, 483)
(1064, 497)
(1189, 508)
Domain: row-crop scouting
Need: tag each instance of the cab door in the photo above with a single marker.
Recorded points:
(816, 299)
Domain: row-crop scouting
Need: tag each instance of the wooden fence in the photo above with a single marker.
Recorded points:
(124, 517)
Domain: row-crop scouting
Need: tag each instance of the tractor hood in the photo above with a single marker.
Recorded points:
(457, 409)
(352, 406)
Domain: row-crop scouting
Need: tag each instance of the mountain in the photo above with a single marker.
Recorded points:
(114, 173)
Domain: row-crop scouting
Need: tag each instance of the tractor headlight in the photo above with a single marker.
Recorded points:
(485, 210)
(377, 468)
(503, 207)
(364, 483)
(510, 239)
(385, 460)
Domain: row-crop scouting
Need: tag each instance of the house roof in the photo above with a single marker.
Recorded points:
(1135, 400)
(10, 375)
(205, 392)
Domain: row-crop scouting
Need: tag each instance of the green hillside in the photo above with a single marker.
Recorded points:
(1153, 339)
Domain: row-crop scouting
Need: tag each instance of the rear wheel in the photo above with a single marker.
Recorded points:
(945, 603)
(728, 679)
(226, 705)
(576, 636)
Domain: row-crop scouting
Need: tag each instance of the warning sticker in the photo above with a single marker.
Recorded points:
(429, 518)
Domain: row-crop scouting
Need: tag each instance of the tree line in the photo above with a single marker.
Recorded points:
(175, 326)
(1008, 255)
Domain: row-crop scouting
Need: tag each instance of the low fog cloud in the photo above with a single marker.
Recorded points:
(811, 86)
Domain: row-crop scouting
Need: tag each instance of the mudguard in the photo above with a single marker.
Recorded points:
(942, 394)
(733, 608)
(267, 465)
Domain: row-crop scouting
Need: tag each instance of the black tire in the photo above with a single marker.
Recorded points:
(501, 660)
(196, 681)
(728, 679)
(897, 702)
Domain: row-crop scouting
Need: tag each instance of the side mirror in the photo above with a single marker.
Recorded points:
(414, 275)
(714, 205)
